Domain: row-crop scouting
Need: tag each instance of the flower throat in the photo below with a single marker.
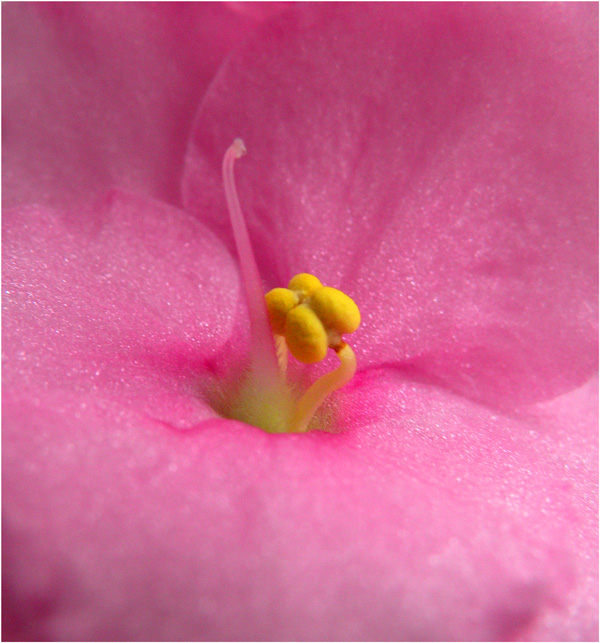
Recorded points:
(305, 319)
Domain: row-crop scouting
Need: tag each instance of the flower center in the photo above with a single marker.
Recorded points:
(306, 319)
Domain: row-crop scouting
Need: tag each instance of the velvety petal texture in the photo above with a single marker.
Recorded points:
(439, 164)
(118, 303)
(430, 517)
(103, 93)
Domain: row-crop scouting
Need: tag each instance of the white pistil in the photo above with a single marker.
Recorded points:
(264, 361)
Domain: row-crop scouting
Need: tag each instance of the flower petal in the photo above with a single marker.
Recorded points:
(438, 163)
(103, 94)
(437, 520)
(128, 303)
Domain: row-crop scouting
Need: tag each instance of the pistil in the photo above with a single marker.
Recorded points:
(263, 359)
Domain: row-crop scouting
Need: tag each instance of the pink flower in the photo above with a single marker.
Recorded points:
(438, 162)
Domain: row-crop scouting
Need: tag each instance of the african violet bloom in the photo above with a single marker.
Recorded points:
(436, 162)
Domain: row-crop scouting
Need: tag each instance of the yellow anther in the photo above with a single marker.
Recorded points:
(312, 317)
(305, 336)
(304, 285)
(280, 302)
(309, 318)
(335, 309)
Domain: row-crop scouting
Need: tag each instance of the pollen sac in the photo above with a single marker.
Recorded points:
(335, 309)
(311, 317)
(280, 302)
(305, 335)
(304, 285)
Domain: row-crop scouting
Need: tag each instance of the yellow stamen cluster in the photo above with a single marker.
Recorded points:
(311, 317)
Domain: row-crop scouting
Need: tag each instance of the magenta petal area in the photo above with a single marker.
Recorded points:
(439, 164)
(123, 306)
(464, 525)
(103, 94)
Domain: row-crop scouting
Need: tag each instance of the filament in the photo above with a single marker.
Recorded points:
(316, 394)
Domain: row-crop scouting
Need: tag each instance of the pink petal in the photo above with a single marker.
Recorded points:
(430, 517)
(434, 520)
(438, 163)
(127, 303)
(104, 93)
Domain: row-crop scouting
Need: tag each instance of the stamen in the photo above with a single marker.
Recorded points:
(312, 318)
(263, 360)
(282, 353)
(316, 394)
